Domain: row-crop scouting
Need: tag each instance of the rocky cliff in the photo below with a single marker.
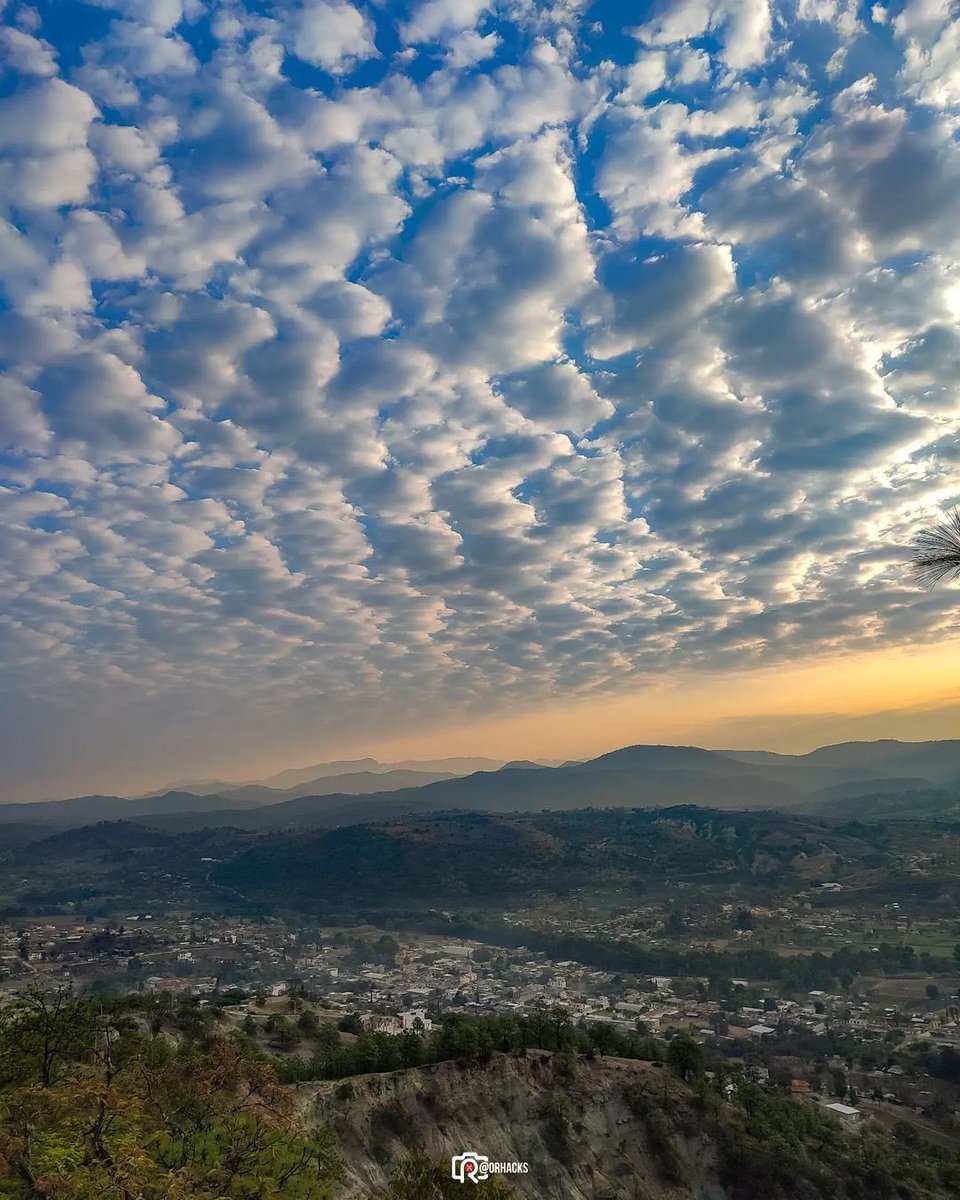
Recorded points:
(608, 1129)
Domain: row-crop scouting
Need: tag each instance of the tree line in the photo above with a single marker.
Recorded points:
(794, 973)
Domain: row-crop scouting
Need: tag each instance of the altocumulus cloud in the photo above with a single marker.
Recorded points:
(376, 362)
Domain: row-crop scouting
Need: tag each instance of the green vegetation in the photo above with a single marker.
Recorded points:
(144, 1098)
(419, 860)
(416, 864)
(774, 1147)
(93, 1107)
(417, 1177)
(460, 1037)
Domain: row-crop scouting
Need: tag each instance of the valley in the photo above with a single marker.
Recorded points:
(514, 979)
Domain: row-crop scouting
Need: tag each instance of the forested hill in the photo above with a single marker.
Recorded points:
(486, 858)
(481, 861)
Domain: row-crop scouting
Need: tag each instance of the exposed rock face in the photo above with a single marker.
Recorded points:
(585, 1129)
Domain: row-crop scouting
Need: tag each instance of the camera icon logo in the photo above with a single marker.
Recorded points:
(469, 1165)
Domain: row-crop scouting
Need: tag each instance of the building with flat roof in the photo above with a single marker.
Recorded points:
(847, 1114)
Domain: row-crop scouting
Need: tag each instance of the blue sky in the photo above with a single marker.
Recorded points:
(373, 368)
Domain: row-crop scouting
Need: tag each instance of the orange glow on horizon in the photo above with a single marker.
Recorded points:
(793, 709)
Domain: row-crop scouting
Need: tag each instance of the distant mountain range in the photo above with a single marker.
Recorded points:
(298, 777)
(364, 790)
(357, 783)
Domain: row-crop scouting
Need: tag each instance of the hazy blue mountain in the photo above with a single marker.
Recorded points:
(298, 777)
(358, 783)
(661, 758)
(198, 787)
(634, 776)
(643, 777)
(914, 805)
(446, 766)
(85, 810)
(869, 787)
(294, 775)
(938, 761)
(648, 776)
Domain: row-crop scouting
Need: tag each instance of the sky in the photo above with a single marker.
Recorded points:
(449, 377)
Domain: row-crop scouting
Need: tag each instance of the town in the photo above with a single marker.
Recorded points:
(884, 1048)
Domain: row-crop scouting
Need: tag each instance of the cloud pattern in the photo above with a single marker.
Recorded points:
(368, 364)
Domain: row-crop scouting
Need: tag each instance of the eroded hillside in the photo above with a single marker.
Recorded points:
(585, 1128)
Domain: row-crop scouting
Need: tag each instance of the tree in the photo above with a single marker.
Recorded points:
(560, 1026)
(177, 1124)
(283, 1033)
(685, 1057)
(936, 554)
(308, 1023)
(41, 1031)
(603, 1037)
(538, 1020)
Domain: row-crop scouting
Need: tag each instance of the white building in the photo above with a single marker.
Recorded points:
(415, 1019)
(847, 1114)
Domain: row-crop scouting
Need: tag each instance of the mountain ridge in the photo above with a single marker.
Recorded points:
(642, 775)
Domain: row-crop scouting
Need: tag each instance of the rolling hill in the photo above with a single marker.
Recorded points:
(417, 863)
(492, 859)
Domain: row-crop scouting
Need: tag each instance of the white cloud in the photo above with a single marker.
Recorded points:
(491, 373)
(162, 15)
(930, 31)
(46, 118)
(335, 36)
(43, 137)
(437, 20)
(468, 48)
(743, 28)
(648, 168)
(644, 76)
(20, 51)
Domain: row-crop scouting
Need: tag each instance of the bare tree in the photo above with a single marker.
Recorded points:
(936, 555)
